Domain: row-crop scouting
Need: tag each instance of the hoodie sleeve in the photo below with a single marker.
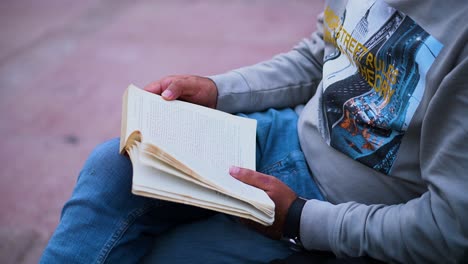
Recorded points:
(287, 80)
(432, 228)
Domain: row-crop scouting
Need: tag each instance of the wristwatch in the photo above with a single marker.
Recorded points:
(291, 229)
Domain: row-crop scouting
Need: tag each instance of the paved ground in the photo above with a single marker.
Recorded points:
(65, 64)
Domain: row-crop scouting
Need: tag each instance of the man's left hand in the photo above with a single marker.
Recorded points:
(279, 192)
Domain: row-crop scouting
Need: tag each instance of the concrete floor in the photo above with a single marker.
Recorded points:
(65, 64)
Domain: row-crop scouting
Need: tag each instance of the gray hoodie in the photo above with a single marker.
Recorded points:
(384, 129)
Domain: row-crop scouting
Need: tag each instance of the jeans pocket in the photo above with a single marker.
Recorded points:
(294, 172)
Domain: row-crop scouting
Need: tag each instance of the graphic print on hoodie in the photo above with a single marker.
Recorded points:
(375, 66)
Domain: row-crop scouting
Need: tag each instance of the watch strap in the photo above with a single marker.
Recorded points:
(292, 223)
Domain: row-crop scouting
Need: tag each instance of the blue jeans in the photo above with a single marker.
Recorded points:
(104, 223)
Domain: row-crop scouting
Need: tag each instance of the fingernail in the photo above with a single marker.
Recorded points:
(167, 94)
(233, 170)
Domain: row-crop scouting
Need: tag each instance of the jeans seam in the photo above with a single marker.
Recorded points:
(123, 227)
(271, 167)
(280, 162)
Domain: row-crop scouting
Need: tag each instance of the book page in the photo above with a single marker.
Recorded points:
(205, 140)
(154, 183)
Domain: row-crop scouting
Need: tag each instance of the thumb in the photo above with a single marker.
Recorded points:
(254, 178)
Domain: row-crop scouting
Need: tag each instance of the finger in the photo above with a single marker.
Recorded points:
(175, 89)
(253, 178)
(154, 87)
(159, 86)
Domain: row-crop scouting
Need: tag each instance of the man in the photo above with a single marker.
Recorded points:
(383, 133)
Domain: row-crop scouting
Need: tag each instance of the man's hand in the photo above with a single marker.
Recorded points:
(195, 89)
(279, 192)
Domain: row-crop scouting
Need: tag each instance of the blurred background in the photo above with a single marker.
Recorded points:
(64, 66)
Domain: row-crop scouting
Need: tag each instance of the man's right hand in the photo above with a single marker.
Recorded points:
(194, 89)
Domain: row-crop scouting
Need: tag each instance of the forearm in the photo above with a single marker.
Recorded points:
(400, 233)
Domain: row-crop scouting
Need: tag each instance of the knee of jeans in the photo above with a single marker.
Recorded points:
(106, 167)
(108, 151)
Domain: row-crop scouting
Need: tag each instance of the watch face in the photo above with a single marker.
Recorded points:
(294, 244)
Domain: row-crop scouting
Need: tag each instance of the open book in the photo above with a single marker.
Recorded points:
(181, 152)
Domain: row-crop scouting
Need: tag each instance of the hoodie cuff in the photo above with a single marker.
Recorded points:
(317, 225)
(233, 92)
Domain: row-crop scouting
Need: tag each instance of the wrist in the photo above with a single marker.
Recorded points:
(211, 91)
(291, 228)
